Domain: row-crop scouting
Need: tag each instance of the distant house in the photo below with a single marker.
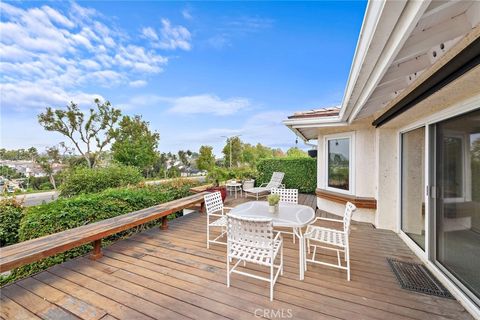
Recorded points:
(408, 135)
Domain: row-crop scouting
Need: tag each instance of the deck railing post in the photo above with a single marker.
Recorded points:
(97, 250)
(164, 225)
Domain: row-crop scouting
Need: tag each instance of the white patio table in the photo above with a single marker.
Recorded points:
(289, 215)
(234, 187)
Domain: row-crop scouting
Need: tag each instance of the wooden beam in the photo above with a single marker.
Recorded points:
(442, 12)
(423, 41)
(460, 64)
(402, 70)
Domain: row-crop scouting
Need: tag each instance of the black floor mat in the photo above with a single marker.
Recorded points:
(416, 277)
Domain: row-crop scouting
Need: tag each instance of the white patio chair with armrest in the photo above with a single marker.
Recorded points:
(287, 196)
(336, 239)
(252, 240)
(265, 188)
(214, 208)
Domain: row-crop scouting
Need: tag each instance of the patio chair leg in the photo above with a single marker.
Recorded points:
(305, 255)
(347, 251)
(293, 236)
(271, 282)
(281, 260)
(308, 246)
(208, 236)
(228, 271)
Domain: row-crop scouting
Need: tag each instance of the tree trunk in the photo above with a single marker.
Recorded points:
(52, 181)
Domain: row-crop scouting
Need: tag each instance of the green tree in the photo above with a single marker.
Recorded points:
(206, 159)
(47, 161)
(86, 131)
(295, 152)
(33, 153)
(233, 147)
(183, 157)
(135, 144)
(160, 165)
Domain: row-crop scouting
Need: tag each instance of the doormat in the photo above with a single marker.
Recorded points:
(416, 277)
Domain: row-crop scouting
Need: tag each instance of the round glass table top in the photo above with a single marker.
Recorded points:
(288, 215)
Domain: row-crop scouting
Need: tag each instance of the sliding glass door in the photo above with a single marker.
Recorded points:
(413, 184)
(456, 163)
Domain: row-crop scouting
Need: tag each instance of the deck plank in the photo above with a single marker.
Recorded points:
(169, 274)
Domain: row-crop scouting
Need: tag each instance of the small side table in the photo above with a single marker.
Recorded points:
(233, 187)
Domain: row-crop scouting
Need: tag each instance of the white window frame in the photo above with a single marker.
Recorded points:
(351, 161)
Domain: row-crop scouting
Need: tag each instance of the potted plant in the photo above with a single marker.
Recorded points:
(273, 201)
(248, 180)
(216, 176)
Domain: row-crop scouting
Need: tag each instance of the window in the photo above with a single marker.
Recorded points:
(339, 163)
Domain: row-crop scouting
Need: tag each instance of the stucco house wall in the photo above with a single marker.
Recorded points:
(365, 169)
(377, 163)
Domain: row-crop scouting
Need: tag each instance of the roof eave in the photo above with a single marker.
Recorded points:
(373, 42)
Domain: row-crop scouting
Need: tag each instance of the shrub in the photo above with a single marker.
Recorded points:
(85, 180)
(242, 173)
(300, 173)
(11, 212)
(73, 212)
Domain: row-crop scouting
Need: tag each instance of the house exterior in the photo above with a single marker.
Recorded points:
(404, 145)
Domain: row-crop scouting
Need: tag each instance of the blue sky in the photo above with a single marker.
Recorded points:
(196, 71)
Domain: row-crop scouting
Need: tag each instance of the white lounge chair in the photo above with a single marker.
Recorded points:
(252, 240)
(336, 239)
(287, 196)
(214, 208)
(265, 188)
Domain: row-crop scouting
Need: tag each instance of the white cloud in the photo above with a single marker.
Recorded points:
(173, 37)
(49, 55)
(250, 24)
(232, 27)
(207, 104)
(190, 105)
(150, 34)
(24, 96)
(220, 41)
(264, 127)
(186, 13)
(138, 83)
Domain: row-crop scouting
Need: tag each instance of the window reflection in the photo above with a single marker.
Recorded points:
(338, 163)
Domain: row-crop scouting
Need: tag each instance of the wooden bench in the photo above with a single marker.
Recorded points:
(33, 250)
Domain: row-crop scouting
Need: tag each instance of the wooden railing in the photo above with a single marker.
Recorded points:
(33, 250)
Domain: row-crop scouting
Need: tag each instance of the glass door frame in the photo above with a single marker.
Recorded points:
(406, 237)
(429, 255)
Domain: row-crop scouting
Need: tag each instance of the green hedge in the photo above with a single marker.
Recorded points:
(74, 212)
(11, 212)
(300, 173)
(86, 180)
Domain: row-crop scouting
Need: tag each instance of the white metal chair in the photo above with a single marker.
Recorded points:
(336, 239)
(214, 208)
(265, 188)
(252, 240)
(287, 196)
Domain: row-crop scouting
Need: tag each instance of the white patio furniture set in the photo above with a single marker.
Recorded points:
(251, 238)
(234, 187)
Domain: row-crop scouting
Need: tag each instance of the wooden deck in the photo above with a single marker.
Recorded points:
(169, 274)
